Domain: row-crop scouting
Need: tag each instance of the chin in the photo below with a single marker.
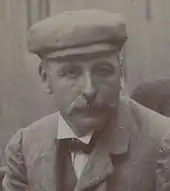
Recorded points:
(88, 125)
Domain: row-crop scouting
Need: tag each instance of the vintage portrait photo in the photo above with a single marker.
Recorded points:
(85, 95)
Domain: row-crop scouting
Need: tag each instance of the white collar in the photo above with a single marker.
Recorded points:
(64, 131)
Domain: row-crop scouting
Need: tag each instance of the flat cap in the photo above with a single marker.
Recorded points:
(77, 32)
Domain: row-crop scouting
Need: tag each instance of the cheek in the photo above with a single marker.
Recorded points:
(66, 90)
(109, 88)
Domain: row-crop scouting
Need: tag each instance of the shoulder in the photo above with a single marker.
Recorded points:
(39, 132)
(43, 125)
(154, 123)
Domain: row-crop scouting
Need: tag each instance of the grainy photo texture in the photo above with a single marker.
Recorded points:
(84, 95)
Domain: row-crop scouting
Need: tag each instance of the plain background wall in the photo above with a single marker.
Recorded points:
(147, 54)
(22, 99)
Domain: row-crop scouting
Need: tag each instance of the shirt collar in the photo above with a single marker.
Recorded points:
(64, 131)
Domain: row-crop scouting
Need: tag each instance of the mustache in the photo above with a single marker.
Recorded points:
(83, 104)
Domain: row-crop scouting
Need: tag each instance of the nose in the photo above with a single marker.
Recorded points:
(89, 92)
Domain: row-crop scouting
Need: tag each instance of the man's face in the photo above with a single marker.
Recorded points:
(86, 89)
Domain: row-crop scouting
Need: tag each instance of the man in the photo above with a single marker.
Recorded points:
(154, 95)
(127, 146)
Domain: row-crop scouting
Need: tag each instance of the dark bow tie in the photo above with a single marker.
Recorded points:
(76, 145)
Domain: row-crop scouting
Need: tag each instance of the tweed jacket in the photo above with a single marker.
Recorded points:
(134, 155)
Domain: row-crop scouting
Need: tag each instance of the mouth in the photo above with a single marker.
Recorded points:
(88, 111)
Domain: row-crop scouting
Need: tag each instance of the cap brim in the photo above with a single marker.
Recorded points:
(95, 48)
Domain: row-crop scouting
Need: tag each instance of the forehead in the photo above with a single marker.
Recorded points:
(89, 59)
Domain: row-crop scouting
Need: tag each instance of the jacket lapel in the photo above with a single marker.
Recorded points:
(113, 141)
(45, 168)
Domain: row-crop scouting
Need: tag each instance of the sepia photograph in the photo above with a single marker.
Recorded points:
(85, 95)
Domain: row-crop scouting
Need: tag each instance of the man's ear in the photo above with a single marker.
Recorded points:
(122, 80)
(45, 79)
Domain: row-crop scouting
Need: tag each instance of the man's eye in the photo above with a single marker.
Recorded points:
(71, 72)
(104, 72)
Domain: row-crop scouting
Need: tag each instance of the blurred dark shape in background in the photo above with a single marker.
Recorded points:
(154, 95)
